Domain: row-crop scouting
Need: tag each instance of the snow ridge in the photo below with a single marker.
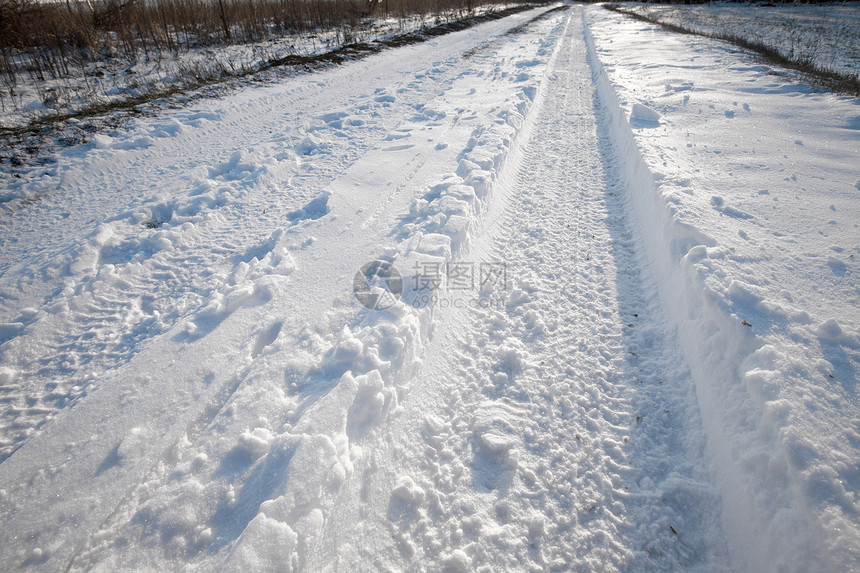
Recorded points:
(576, 353)
(381, 354)
(783, 506)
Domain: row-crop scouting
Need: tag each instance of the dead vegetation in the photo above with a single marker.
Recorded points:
(35, 141)
(43, 43)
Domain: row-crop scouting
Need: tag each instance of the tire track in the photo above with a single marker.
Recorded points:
(558, 432)
(286, 145)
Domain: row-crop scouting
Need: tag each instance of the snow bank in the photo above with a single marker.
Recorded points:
(774, 383)
(373, 361)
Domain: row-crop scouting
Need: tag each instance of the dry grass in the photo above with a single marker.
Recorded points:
(41, 40)
(35, 141)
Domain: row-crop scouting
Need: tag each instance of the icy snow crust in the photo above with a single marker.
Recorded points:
(664, 379)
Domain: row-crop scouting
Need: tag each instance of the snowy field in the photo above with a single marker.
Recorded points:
(109, 80)
(562, 291)
(117, 79)
(826, 35)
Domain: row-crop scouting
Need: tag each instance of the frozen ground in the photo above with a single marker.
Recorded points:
(627, 337)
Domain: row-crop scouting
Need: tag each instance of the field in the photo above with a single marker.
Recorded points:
(821, 40)
(62, 59)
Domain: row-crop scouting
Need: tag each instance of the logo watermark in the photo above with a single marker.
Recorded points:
(433, 301)
(378, 285)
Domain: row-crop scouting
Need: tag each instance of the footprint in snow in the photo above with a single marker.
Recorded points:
(837, 266)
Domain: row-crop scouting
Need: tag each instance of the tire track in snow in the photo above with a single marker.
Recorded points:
(140, 272)
(268, 424)
(483, 468)
(559, 432)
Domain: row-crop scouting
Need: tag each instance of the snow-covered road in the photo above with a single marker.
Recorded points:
(531, 423)
(563, 378)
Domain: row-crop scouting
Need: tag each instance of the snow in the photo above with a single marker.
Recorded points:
(765, 274)
(644, 113)
(111, 78)
(824, 34)
(624, 334)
